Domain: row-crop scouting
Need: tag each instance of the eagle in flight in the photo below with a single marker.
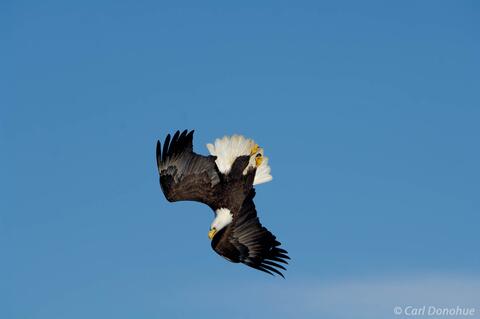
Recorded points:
(224, 181)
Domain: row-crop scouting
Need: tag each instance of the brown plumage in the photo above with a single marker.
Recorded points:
(185, 175)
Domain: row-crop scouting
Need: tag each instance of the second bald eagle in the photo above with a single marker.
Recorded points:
(224, 181)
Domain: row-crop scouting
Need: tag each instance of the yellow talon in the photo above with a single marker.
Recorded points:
(254, 149)
(258, 160)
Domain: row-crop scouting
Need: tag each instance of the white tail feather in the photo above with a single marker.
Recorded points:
(227, 149)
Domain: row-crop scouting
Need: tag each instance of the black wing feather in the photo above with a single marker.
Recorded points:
(185, 175)
(245, 240)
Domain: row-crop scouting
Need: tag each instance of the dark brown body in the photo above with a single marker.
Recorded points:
(234, 187)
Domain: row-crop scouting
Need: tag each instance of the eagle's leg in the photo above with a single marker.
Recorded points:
(254, 149)
(258, 159)
(257, 151)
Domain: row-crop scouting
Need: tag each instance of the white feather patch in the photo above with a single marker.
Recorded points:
(223, 218)
(228, 148)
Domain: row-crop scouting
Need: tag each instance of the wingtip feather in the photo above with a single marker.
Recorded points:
(272, 269)
(159, 152)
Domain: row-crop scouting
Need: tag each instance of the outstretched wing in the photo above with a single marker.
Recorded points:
(185, 175)
(245, 240)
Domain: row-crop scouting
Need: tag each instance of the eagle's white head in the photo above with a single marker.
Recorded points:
(223, 218)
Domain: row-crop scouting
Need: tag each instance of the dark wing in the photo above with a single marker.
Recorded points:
(185, 175)
(245, 240)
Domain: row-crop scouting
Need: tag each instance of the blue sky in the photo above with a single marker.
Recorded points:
(369, 112)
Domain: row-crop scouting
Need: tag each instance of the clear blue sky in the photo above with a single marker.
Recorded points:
(369, 112)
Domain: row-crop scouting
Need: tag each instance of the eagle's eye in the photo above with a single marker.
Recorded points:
(258, 155)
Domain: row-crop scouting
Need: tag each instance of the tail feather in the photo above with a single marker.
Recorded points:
(228, 148)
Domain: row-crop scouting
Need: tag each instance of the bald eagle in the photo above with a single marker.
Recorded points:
(224, 181)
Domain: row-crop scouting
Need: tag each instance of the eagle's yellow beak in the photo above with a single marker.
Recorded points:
(212, 233)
